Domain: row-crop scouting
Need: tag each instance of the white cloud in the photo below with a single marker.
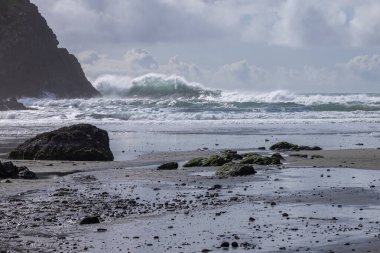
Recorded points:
(140, 61)
(126, 21)
(360, 74)
(292, 23)
(188, 70)
(365, 63)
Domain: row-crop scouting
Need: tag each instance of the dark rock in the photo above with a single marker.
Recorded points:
(234, 244)
(261, 148)
(215, 187)
(316, 157)
(25, 173)
(235, 170)
(168, 166)
(11, 104)
(293, 147)
(278, 156)
(9, 170)
(89, 220)
(225, 245)
(231, 155)
(299, 155)
(81, 142)
(31, 64)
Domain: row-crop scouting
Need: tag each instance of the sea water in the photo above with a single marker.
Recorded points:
(157, 113)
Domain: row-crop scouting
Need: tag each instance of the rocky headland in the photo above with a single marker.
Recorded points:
(31, 63)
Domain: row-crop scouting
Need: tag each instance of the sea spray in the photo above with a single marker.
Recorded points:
(152, 86)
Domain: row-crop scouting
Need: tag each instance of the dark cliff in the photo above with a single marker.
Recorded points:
(31, 64)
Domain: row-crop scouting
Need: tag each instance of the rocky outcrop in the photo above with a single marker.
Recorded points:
(31, 64)
(81, 142)
(9, 170)
(11, 104)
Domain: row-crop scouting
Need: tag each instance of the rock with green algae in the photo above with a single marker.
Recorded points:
(195, 162)
(235, 170)
(216, 160)
(293, 147)
(254, 158)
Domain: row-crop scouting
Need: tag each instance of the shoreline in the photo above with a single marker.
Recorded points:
(182, 211)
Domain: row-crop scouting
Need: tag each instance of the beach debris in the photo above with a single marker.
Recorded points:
(90, 220)
(234, 170)
(9, 170)
(293, 147)
(168, 166)
(82, 142)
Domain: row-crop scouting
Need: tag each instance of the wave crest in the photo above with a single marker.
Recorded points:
(152, 86)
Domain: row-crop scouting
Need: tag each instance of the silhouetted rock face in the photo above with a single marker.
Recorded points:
(81, 142)
(11, 104)
(31, 64)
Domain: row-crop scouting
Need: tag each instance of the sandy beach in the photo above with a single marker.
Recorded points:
(325, 204)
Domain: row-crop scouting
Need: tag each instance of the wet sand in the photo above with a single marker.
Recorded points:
(306, 205)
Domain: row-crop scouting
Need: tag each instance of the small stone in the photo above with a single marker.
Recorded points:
(89, 220)
(225, 245)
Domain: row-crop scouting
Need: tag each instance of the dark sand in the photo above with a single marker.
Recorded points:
(292, 208)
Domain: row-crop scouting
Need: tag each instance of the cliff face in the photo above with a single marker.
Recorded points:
(31, 64)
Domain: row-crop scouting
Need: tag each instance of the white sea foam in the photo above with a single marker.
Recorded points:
(164, 86)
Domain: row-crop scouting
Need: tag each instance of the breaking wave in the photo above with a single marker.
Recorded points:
(151, 86)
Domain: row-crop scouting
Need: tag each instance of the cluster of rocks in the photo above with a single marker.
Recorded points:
(81, 142)
(293, 147)
(9, 170)
(231, 163)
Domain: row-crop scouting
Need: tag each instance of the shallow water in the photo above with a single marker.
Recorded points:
(323, 212)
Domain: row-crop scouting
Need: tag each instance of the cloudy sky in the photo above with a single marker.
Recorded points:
(253, 45)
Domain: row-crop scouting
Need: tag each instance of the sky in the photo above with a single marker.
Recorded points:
(247, 45)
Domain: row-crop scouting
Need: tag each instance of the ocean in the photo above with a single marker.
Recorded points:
(159, 113)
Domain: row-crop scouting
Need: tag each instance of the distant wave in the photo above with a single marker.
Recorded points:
(159, 86)
(152, 86)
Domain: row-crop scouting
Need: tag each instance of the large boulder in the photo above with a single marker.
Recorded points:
(31, 63)
(9, 170)
(81, 142)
